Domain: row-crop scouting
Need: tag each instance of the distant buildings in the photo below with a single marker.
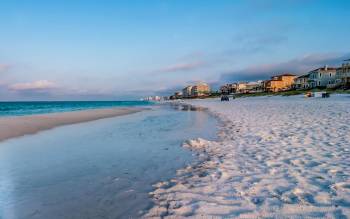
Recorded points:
(228, 88)
(152, 98)
(200, 90)
(322, 77)
(253, 87)
(241, 87)
(191, 91)
(325, 77)
(279, 83)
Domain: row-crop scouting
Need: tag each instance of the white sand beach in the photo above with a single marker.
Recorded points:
(279, 157)
(11, 127)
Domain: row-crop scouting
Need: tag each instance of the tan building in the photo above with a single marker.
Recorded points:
(200, 90)
(241, 87)
(280, 83)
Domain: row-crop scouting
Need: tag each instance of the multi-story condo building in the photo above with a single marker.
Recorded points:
(200, 89)
(241, 86)
(249, 87)
(343, 74)
(322, 77)
(228, 88)
(279, 83)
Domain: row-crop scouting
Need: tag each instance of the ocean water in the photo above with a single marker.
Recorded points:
(39, 107)
(99, 169)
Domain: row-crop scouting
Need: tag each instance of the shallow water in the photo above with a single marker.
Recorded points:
(39, 107)
(99, 169)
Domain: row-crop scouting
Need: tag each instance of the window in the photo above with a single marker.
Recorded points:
(319, 83)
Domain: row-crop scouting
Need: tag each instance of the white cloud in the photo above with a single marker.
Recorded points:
(300, 65)
(36, 85)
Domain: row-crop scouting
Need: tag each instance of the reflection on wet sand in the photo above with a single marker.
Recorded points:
(100, 169)
(186, 107)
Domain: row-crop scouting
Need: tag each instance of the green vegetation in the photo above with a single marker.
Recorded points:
(214, 94)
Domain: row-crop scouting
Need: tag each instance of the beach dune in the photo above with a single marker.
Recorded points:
(11, 127)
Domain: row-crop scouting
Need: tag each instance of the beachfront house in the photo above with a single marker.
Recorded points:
(228, 88)
(249, 87)
(241, 87)
(253, 87)
(200, 90)
(343, 75)
(301, 82)
(322, 77)
(186, 92)
(224, 89)
(280, 83)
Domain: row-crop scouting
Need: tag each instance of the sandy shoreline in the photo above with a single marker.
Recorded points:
(277, 157)
(11, 127)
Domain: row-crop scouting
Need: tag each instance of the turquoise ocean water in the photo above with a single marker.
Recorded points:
(29, 108)
(98, 169)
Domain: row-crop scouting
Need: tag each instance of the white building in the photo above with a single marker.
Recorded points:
(249, 87)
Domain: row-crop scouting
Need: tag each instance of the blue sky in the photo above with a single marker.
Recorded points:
(65, 50)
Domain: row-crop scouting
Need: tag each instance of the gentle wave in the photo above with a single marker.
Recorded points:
(29, 108)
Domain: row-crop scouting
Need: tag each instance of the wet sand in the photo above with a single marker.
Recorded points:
(11, 127)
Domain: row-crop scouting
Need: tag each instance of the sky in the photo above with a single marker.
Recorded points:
(118, 50)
